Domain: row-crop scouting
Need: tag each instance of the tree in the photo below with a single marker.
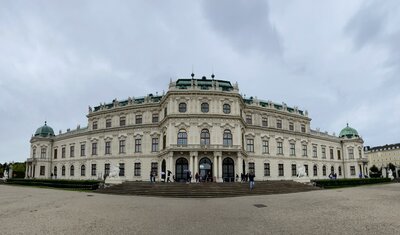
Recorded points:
(375, 172)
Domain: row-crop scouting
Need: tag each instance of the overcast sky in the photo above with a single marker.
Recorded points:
(340, 60)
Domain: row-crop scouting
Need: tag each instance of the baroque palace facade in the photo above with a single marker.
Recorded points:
(200, 125)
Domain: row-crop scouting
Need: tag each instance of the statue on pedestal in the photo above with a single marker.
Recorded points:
(301, 172)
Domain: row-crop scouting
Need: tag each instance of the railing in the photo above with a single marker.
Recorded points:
(205, 147)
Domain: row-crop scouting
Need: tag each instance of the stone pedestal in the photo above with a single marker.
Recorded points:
(113, 181)
(304, 180)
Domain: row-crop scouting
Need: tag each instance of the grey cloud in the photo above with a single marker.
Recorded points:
(245, 24)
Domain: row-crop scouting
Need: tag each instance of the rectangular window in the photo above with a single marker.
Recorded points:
(83, 150)
(267, 169)
(265, 147)
(351, 153)
(63, 152)
(154, 168)
(43, 153)
(122, 169)
(291, 126)
(306, 168)
(137, 169)
(154, 144)
(315, 170)
(138, 119)
(165, 112)
(280, 148)
(264, 121)
(292, 149)
(71, 151)
(108, 123)
(331, 153)
(122, 121)
(34, 153)
(122, 146)
(55, 153)
(94, 170)
(42, 170)
(138, 145)
(294, 170)
(359, 153)
(108, 147)
(249, 119)
(94, 126)
(279, 123)
(107, 169)
(352, 170)
(280, 170)
(94, 148)
(338, 155)
(314, 150)
(323, 152)
(252, 167)
(155, 118)
(250, 145)
(164, 142)
(304, 148)
(83, 170)
(303, 128)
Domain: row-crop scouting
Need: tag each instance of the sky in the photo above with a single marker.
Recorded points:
(338, 59)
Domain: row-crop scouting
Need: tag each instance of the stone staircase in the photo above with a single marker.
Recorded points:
(205, 190)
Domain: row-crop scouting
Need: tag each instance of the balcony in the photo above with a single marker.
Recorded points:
(199, 147)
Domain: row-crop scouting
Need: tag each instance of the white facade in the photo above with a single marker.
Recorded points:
(226, 135)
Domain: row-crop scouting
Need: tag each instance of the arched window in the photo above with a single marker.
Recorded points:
(63, 170)
(226, 108)
(340, 170)
(315, 170)
(332, 169)
(83, 170)
(72, 170)
(204, 107)
(205, 137)
(182, 107)
(227, 141)
(55, 171)
(182, 137)
(324, 170)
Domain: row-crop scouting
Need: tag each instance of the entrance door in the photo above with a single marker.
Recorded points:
(228, 170)
(182, 167)
(244, 167)
(205, 169)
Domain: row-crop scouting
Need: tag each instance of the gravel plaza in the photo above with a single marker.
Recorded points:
(359, 210)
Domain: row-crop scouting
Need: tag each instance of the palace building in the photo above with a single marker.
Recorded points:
(199, 125)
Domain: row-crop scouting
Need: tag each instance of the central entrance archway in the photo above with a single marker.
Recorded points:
(205, 169)
(228, 170)
(181, 167)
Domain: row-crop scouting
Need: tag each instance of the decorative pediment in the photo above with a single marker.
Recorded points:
(155, 134)
(182, 125)
(138, 135)
(108, 138)
(122, 136)
(205, 125)
(227, 126)
(94, 139)
(250, 135)
(264, 137)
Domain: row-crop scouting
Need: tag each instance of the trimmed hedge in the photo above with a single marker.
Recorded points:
(56, 183)
(328, 183)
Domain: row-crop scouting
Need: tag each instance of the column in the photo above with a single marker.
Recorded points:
(215, 165)
(171, 163)
(220, 168)
(191, 166)
(239, 164)
(196, 163)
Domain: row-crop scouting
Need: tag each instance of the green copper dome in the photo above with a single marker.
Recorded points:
(348, 132)
(44, 131)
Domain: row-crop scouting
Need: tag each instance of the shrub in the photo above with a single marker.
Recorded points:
(349, 182)
(56, 183)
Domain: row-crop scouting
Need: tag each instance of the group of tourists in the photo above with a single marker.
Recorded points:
(332, 176)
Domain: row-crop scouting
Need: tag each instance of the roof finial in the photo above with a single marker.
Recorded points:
(347, 124)
(213, 75)
(45, 123)
(192, 73)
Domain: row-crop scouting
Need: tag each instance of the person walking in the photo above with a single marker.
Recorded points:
(197, 176)
(251, 179)
(151, 177)
(168, 175)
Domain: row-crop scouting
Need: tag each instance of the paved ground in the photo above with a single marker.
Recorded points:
(361, 210)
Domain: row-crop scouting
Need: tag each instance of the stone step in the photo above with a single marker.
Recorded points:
(205, 190)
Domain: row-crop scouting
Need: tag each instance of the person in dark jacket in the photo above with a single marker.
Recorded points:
(251, 179)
